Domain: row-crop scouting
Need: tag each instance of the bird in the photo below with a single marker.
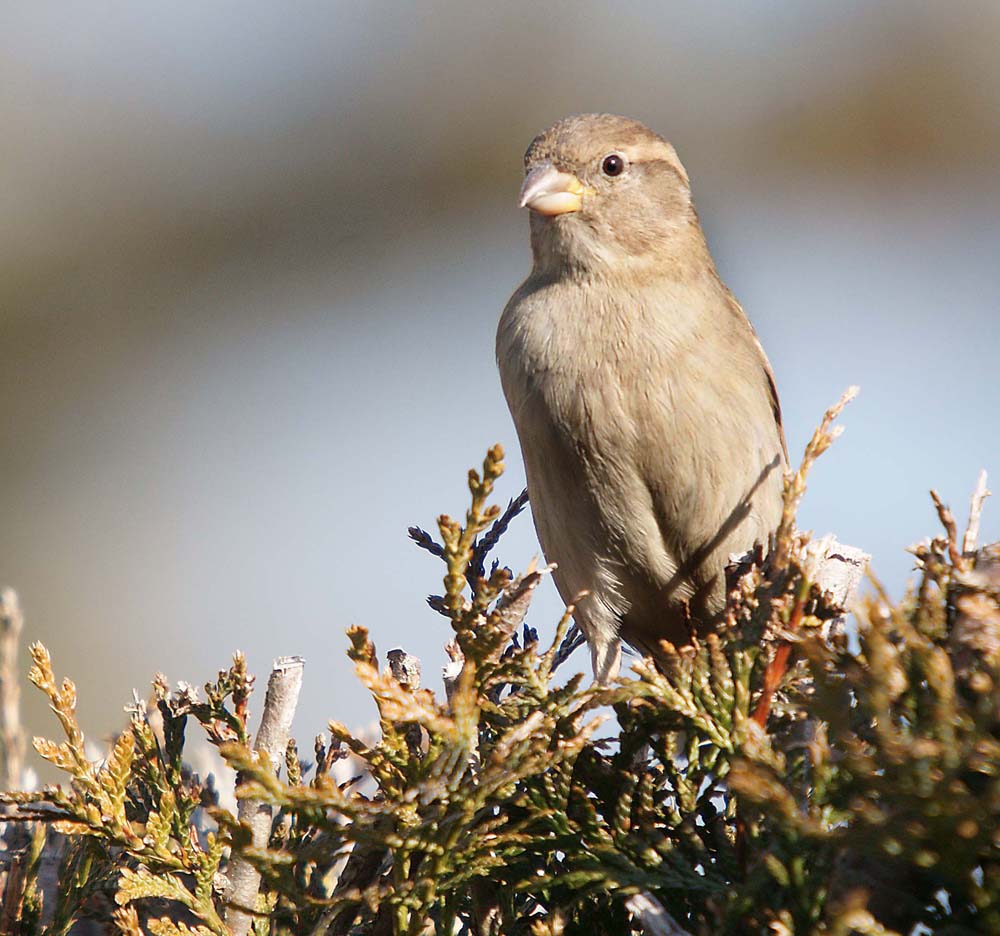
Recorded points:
(644, 404)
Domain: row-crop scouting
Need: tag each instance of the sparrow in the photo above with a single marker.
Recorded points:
(645, 407)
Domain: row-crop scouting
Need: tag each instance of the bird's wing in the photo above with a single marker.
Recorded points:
(775, 402)
(766, 367)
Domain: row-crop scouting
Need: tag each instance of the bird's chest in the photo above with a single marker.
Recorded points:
(587, 376)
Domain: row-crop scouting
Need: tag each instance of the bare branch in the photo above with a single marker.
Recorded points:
(405, 669)
(453, 668)
(282, 697)
(837, 570)
(947, 519)
(653, 917)
(979, 496)
(12, 743)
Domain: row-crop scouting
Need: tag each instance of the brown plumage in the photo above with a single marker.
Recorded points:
(643, 401)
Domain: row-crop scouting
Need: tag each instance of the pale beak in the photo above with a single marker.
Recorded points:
(551, 192)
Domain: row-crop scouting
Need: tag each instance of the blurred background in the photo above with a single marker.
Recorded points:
(252, 258)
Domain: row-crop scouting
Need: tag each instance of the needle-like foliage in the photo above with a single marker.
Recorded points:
(778, 776)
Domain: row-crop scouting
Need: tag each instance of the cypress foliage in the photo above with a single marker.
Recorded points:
(785, 775)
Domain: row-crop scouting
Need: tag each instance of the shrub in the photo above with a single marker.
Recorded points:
(786, 774)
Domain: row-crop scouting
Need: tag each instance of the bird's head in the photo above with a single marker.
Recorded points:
(605, 193)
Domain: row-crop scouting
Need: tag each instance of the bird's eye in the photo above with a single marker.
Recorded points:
(613, 165)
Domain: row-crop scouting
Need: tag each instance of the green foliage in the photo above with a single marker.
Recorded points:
(128, 826)
(773, 777)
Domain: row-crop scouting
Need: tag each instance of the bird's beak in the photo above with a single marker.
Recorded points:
(551, 192)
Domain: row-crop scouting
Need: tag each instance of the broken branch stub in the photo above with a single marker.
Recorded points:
(282, 697)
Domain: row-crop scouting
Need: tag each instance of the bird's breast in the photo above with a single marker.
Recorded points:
(589, 360)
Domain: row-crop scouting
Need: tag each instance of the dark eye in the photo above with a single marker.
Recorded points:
(613, 165)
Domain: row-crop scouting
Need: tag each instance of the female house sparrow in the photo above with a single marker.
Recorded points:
(643, 401)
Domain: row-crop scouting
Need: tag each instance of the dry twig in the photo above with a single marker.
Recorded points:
(653, 916)
(283, 689)
(12, 743)
(979, 496)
